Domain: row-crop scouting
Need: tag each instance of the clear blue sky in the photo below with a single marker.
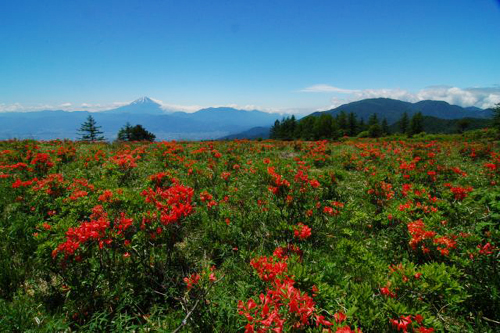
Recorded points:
(243, 52)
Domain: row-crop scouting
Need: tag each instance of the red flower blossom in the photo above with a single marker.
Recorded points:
(302, 232)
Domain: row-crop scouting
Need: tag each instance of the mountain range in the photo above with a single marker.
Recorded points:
(393, 109)
(439, 116)
(209, 123)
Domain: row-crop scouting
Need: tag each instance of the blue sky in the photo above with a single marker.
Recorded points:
(274, 55)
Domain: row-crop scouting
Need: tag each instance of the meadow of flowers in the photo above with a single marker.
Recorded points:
(250, 236)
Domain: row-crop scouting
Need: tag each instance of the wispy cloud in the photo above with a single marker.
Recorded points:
(91, 107)
(325, 88)
(482, 97)
(247, 107)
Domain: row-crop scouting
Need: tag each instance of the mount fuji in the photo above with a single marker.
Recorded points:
(140, 106)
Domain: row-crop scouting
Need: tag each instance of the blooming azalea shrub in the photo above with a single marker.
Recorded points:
(360, 235)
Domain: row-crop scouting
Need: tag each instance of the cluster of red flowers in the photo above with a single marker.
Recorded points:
(99, 230)
(302, 231)
(404, 323)
(53, 185)
(381, 192)
(283, 252)
(302, 178)
(419, 234)
(106, 196)
(19, 183)
(459, 192)
(283, 305)
(486, 249)
(94, 230)
(208, 199)
(194, 279)
(79, 188)
(42, 162)
(125, 161)
(269, 268)
(173, 203)
(279, 181)
(333, 211)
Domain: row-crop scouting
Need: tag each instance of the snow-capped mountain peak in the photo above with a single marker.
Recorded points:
(143, 100)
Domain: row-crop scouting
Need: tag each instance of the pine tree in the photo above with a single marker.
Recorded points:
(373, 120)
(125, 132)
(135, 133)
(323, 127)
(496, 117)
(416, 124)
(139, 133)
(305, 128)
(462, 125)
(385, 127)
(275, 130)
(374, 128)
(342, 122)
(403, 123)
(362, 125)
(89, 131)
(352, 124)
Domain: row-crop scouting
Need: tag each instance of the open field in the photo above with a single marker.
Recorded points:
(370, 235)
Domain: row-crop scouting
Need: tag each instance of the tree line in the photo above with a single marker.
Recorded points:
(89, 131)
(327, 126)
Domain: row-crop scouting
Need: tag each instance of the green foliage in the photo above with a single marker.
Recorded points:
(496, 117)
(404, 123)
(416, 124)
(396, 228)
(134, 133)
(89, 131)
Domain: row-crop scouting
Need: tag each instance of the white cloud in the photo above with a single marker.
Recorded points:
(247, 107)
(18, 107)
(325, 88)
(482, 97)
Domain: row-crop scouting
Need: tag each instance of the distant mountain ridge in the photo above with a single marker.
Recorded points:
(209, 123)
(392, 109)
(439, 116)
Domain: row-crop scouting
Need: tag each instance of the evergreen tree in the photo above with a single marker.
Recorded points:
(403, 123)
(416, 124)
(373, 120)
(374, 128)
(275, 130)
(361, 125)
(375, 131)
(288, 128)
(135, 133)
(125, 132)
(342, 122)
(323, 127)
(293, 127)
(496, 117)
(139, 133)
(305, 128)
(462, 125)
(385, 127)
(335, 132)
(352, 124)
(89, 131)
